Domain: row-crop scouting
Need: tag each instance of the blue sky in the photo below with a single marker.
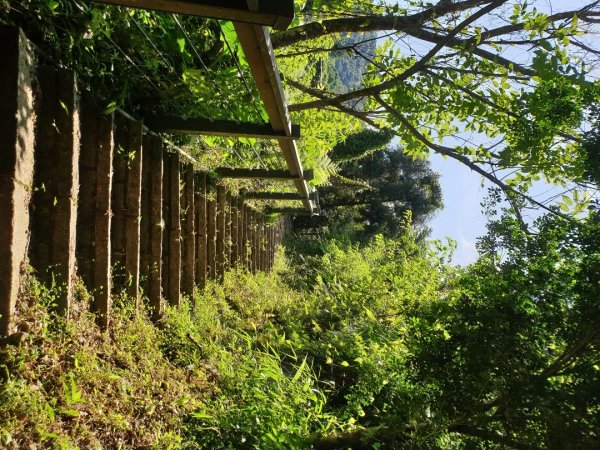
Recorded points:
(461, 219)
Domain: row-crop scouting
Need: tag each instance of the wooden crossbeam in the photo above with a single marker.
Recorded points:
(275, 174)
(292, 211)
(273, 13)
(213, 127)
(277, 195)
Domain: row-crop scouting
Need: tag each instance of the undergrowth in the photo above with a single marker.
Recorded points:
(207, 370)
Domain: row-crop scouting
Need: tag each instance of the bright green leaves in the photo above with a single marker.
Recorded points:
(556, 106)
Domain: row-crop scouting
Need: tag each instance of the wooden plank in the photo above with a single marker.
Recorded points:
(220, 235)
(256, 43)
(56, 178)
(215, 127)
(201, 231)
(293, 211)
(226, 172)
(273, 13)
(276, 195)
(16, 164)
(188, 233)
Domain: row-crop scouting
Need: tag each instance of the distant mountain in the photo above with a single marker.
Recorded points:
(347, 67)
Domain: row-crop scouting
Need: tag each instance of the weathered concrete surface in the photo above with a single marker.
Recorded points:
(172, 231)
(211, 241)
(126, 206)
(201, 230)
(220, 234)
(56, 182)
(188, 266)
(155, 227)
(94, 216)
(17, 118)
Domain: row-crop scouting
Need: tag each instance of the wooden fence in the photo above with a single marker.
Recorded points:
(101, 197)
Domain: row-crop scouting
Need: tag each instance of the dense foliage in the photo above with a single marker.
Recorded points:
(380, 346)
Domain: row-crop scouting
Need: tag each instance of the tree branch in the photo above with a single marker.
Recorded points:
(365, 24)
(416, 67)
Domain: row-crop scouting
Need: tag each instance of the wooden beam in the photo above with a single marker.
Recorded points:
(256, 43)
(273, 13)
(277, 196)
(275, 174)
(213, 127)
(293, 211)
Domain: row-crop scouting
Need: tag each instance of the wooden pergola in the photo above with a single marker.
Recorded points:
(250, 18)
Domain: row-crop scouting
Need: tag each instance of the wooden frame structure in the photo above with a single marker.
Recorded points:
(273, 13)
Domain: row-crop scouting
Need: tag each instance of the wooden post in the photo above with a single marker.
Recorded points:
(211, 247)
(201, 228)
(126, 199)
(94, 224)
(189, 233)
(152, 223)
(16, 164)
(221, 219)
(56, 180)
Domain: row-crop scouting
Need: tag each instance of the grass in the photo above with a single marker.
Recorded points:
(192, 381)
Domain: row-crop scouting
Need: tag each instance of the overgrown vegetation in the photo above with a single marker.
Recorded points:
(378, 346)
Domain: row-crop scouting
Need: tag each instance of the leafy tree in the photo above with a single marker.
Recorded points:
(381, 187)
(499, 87)
(503, 354)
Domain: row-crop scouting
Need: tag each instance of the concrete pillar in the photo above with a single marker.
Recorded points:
(188, 265)
(94, 214)
(172, 231)
(17, 118)
(220, 235)
(56, 182)
(201, 230)
(211, 255)
(126, 199)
